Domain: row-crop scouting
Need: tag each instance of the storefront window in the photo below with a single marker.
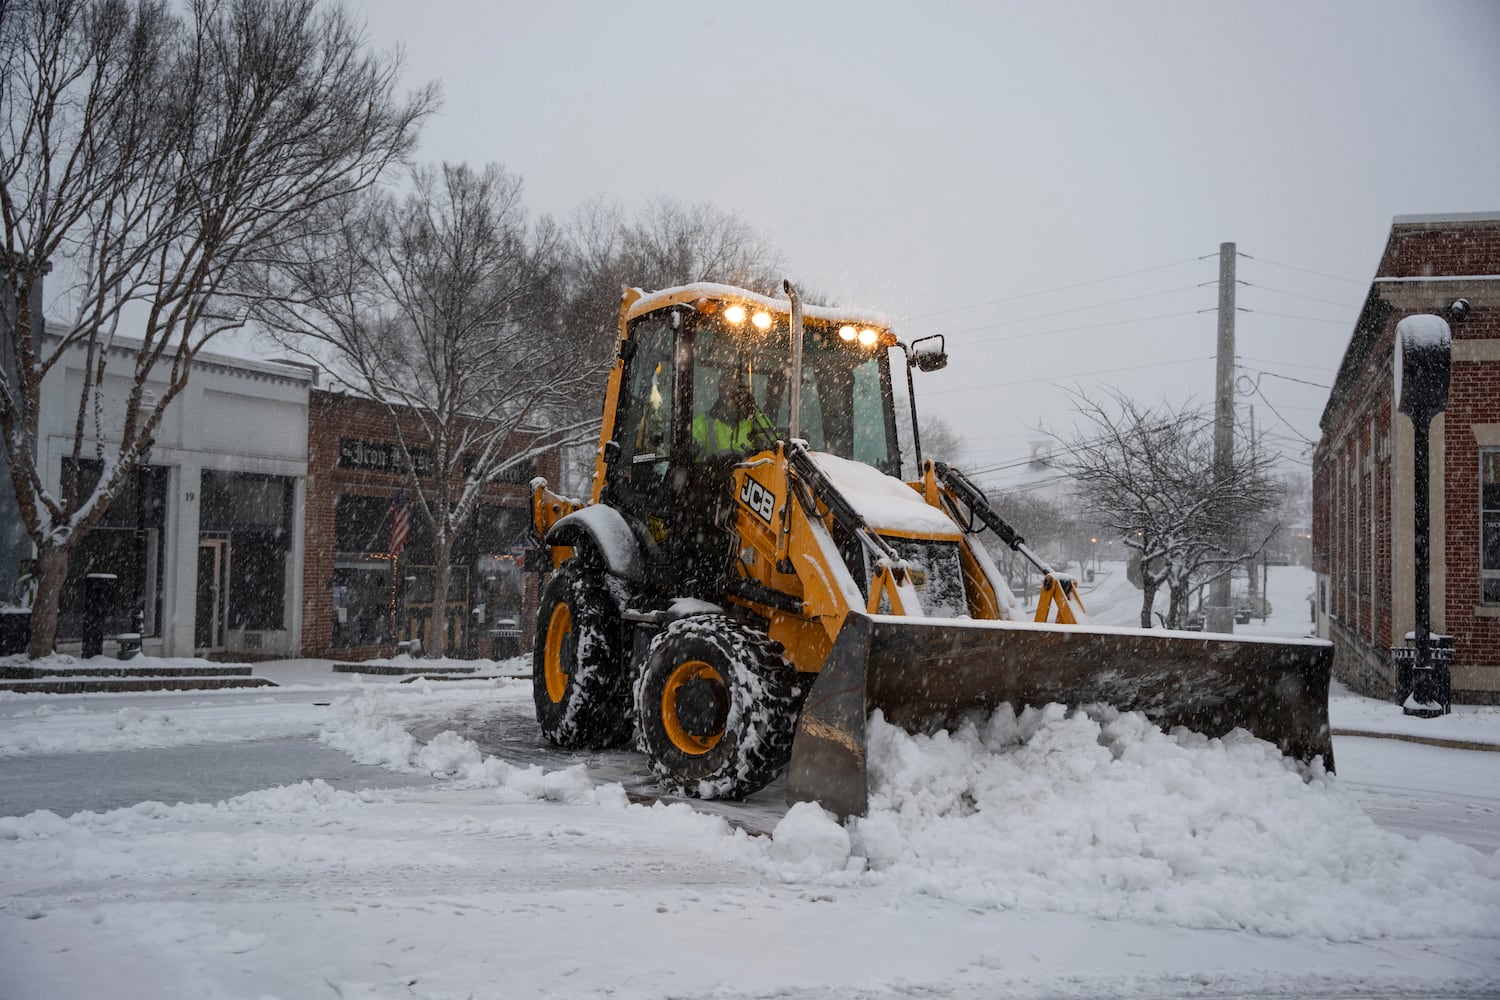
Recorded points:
(363, 588)
(362, 599)
(255, 514)
(371, 597)
(499, 553)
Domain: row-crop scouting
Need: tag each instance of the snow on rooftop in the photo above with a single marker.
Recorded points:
(1413, 220)
(1419, 278)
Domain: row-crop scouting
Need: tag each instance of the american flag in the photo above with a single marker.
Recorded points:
(400, 523)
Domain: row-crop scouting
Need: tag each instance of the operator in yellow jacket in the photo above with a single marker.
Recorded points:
(731, 422)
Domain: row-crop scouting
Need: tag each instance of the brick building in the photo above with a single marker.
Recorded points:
(1363, 546)
(357, 601)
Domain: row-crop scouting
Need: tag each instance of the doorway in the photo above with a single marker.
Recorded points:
(213, 595)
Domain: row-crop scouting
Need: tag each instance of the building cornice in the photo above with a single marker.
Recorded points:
(284, 373)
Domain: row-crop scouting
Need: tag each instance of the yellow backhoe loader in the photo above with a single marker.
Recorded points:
(749, 578)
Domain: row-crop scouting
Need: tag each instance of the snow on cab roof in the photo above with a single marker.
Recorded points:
(650, 301)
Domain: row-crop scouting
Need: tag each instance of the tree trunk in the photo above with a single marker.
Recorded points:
(1148, 598)
(51, 573)
(442, 548)
(1178, 593)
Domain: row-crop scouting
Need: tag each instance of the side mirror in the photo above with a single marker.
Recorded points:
(928, 354)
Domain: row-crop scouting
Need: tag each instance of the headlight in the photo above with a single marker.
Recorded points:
(735, 314)
(848, 332)
(867, 337)
(762, 320)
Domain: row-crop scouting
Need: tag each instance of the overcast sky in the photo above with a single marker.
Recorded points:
(1036, 181)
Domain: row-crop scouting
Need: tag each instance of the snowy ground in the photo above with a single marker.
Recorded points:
(352, 836)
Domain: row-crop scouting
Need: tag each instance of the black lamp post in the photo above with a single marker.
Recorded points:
(1423, 358)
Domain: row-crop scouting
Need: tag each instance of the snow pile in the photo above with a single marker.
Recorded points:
(363, 726)
(1098, 814)
(808, 842)
(153, 723)
(1108, 816)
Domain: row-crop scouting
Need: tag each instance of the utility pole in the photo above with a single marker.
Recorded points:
(1219, 616)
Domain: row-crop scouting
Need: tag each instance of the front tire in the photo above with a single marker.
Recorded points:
(578, 678)
(717, 707)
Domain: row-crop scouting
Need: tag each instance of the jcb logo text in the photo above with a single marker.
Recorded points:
(757, 498)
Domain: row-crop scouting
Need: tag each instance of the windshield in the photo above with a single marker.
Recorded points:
(741, 380)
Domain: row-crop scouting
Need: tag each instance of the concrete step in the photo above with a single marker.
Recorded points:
(464, 677)
(109, 684)
(88, 668)
(394, 670)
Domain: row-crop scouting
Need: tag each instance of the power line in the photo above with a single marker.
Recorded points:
(1053, 378)
(1049, 291)
(1311, 319)
(1075, 309)
(1299, 295)
(1067, 448)
(1028, 487)
(1079, 329)
(1302, 381)
(1285, 422)
(1291, 267)
(1283, 364)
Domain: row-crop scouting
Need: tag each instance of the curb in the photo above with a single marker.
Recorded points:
(9, 673)
(121, 685)
(1431, 741)
(389, 670)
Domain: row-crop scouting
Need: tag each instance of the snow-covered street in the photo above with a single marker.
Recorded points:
(348, 836)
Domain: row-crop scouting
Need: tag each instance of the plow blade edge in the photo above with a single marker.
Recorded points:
(923, 673)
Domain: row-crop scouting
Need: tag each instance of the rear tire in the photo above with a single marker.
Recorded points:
(578, 679)
(717, 707)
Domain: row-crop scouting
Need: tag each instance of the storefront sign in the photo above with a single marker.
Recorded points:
(380, 456)
(520, 474)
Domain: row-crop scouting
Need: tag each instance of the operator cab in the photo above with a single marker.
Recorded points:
(705, 386)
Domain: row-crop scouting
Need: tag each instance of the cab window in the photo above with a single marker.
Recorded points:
(644, 431)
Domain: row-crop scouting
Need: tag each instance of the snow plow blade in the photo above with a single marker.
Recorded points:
(923, 674)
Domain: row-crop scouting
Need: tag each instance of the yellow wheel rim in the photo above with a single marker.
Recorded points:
(559, 629)
(686, 673)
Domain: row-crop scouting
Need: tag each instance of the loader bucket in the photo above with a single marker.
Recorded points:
(922, 673)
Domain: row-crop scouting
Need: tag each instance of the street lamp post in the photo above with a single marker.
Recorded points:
(1423, 359)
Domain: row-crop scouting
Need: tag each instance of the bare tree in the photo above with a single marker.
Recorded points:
(148, 157)
(1053, 528)
(940, 440)
(443, 306)
(667, 244)
(1148, 473)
